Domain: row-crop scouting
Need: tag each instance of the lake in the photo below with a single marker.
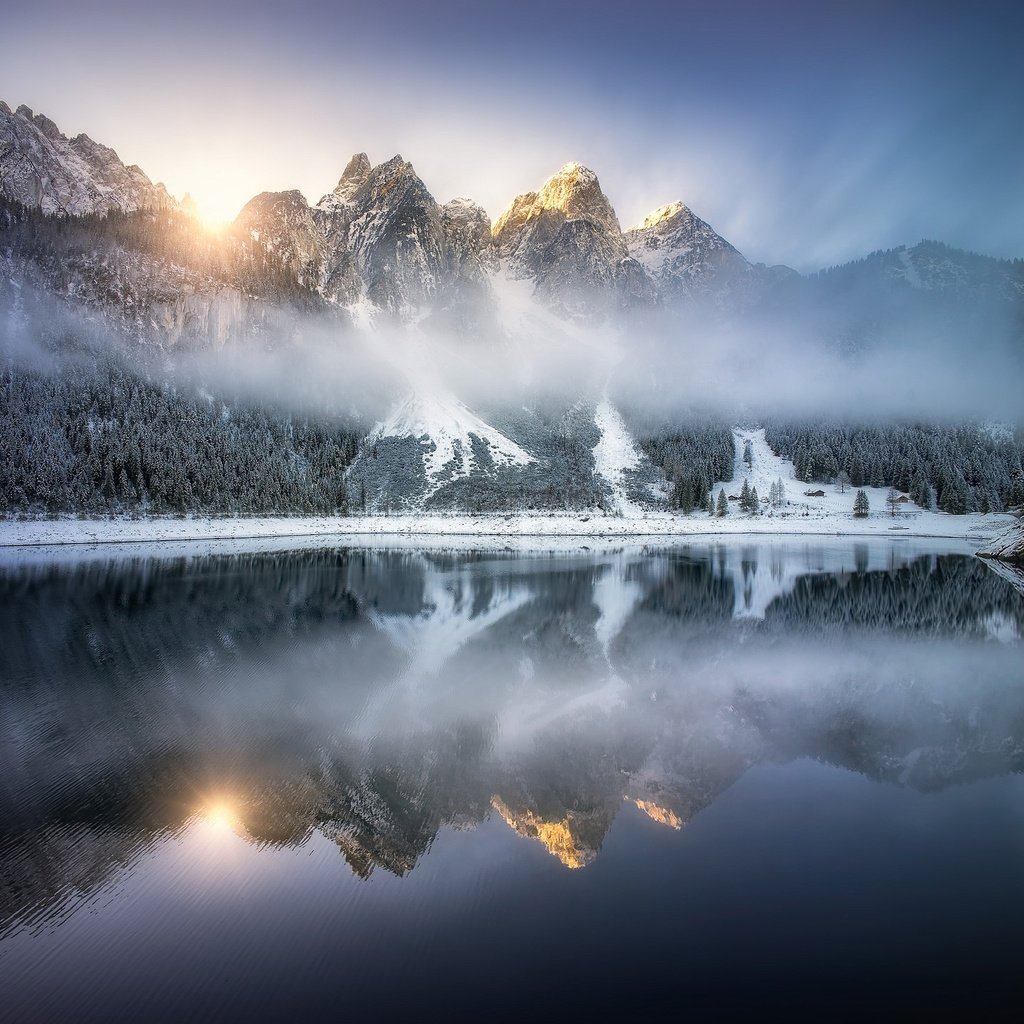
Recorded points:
(716, 777)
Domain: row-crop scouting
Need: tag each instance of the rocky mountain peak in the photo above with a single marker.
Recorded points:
(573, 192)
(357, 170)
(468, 217)
(46, 126)
(576, 192)
(687, 259)
(662, 215)
(41, 167)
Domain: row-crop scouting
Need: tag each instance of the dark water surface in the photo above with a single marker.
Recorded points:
(394, 784)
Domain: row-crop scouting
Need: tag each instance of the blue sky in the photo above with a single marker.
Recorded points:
(806, 133)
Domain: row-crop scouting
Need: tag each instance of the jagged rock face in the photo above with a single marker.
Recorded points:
(583, 270)
(467, 231)
(567, 237)
(381, 234)
(357, 170)
(283, 223)
(574, 192)
(40, 167)
(686, 258)
(396, 238)
(409, 252)
(333, 216)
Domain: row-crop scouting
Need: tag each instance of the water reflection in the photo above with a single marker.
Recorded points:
(375, 698)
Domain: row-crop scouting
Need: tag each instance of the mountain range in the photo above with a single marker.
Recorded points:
(95, 256)
(380, 242)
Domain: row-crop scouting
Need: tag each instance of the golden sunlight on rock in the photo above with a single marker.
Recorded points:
(574, 192)
(662, 815)
(556, 836)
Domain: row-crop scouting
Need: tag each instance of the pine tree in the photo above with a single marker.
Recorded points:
(748, 453)
(892, 501)
(745, 497)
(723, 504)
(861, 507)
(754, 502)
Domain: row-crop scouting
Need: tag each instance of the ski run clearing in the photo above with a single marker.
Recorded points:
(801, 515)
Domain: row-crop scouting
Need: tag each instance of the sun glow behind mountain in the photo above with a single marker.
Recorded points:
(214, 205)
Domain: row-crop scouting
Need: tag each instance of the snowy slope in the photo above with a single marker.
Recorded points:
(445, 429)
(614, 454)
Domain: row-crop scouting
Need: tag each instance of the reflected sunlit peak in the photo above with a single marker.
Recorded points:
(556, 836)
(662, 815)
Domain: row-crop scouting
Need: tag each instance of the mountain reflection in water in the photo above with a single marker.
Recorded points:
(374, 699)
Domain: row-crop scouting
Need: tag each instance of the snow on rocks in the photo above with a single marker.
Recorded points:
(1008, 546)
(41, 167)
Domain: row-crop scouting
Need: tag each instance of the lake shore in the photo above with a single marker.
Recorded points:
(974, 529)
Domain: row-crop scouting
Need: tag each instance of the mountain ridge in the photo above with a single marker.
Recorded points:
(381, 241)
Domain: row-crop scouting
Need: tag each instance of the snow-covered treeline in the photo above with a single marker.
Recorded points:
(964, 468)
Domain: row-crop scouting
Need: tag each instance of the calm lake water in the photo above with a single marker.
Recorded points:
(720, 777)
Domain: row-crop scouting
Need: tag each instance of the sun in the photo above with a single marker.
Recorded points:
(214, 213)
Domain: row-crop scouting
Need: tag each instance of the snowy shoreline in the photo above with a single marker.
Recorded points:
(804, 510)
(975, 529)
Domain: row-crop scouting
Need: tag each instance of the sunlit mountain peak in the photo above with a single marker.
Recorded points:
(573, 191)
(660, 215)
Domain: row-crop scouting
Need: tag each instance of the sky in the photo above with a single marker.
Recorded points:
(807, 133)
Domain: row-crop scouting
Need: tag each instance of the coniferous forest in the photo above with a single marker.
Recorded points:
(956, 469)
(107, 440)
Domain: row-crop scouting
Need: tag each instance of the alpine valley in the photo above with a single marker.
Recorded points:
(382, 351)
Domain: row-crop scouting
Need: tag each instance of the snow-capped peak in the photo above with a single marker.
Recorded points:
(660, 215)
